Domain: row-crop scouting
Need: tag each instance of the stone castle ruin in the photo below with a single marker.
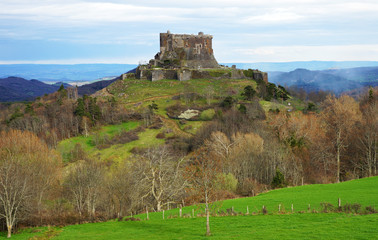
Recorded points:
(185, 51)
(188, 56)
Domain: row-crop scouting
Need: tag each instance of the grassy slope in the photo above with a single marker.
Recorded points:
(138, 94)
(276, 226)
(116, 152)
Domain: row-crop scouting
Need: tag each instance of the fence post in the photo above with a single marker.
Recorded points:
(247, 210)
(193, 212)
(180, 210)
(292, 208)
(147, 213)
(279, 207)
(339, 202)
(163, 214)
(309, 207)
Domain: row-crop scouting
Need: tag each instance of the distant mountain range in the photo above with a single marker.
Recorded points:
(335, 80)
(19, 89)
(13, 89)
(64, 73)
(90, 72)
(310, 65)
(306, 75)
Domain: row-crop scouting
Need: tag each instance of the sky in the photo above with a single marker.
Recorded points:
(122, 31)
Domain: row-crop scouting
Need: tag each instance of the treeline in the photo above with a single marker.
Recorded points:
(62, 115)
(242, 151)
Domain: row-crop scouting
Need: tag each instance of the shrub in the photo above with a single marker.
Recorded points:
(370, 210)
(227, 102)
(327, 207)
(249, 92)
(279, 180)
(207, 115)
(251, 187)
(243, 108)
(227, 182)
(160, 136)
(351, 208)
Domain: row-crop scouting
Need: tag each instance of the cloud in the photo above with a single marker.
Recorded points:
(278, 16)
(308, 53)
(244, 28)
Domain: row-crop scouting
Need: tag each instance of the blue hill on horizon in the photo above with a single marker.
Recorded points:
(90, 72)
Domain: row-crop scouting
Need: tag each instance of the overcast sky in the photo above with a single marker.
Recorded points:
(116, 31)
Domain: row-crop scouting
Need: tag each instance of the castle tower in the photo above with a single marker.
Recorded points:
(187, 50)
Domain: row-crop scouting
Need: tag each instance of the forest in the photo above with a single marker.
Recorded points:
(240, 149)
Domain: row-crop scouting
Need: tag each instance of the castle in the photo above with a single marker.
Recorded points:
(185, 51)
(188, 56)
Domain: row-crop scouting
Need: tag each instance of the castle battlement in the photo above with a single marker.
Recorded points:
(189, 56)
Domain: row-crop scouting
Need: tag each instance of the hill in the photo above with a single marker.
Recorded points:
(14, 89)
(63, 72)
(335, 80)
(302, 224)
(310, 65)
(91, 88)
(19, 89)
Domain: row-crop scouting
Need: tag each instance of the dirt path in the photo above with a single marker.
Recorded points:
(175, 128)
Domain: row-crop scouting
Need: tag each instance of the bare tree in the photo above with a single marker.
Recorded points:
(21, 183)
(203, 176)
(121, 189)
(369, 138)
(83, 184)
(159, 176)
(340, 115)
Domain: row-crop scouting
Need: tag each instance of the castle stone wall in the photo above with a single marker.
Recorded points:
(192, 51)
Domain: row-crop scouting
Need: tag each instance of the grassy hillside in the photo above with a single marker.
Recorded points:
(115, 152)
(137, 95)
(257, 226)
(362, 191)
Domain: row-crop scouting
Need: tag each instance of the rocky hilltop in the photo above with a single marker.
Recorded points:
(188, 56)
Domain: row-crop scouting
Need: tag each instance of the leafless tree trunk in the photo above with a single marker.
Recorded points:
(160, 176)
(203, 175)
(84, 185)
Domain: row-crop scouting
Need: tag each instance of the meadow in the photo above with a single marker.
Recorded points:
(302, 223)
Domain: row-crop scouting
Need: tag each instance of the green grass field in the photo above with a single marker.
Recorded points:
(254, 226)
(115, 152)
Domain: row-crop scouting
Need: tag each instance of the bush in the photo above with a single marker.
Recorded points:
(243, 108)
(327, 207)
(249, 92)
(251, 187)
(370, 210)
(351, 208)
(227, 182)
(160, 136)
(227, 102)
(207, 115)
(279, 180)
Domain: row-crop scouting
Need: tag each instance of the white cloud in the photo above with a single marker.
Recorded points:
(307, 53)
(279, 16)
(244, 29)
